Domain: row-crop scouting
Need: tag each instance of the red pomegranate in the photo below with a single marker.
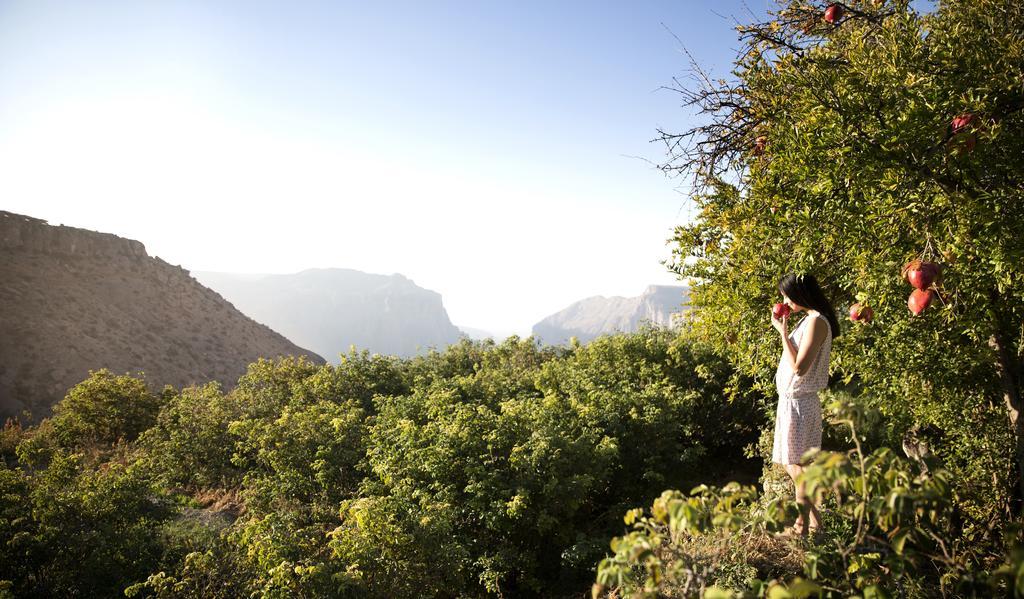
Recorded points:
(861, 313)
(920, 274)
(833, 13)
(919, 300)
(963, 121)
(780, 310)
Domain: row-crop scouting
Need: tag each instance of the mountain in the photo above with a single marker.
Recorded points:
(477, 334)
(329, 309)
(595, 316)
(74, 300)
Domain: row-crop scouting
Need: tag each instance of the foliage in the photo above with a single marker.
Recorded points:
(487, 469)
(268, 385)
(893, 530)
(494, 469)
(306, 463)
(104, 409)
(513, 485)
(77, 530)
(860, 170)
(11, 435)
(663, 399)
(189, 444)
(359, 376)
(18, 546)
(202, 574)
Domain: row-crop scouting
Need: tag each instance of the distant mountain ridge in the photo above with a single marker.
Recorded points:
(74, 300)
(598, 315)
(329, 309)
(477, 334)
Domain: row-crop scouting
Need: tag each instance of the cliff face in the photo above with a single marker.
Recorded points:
(594, 316)
(330, 309)
(74, 300)
(24, 233)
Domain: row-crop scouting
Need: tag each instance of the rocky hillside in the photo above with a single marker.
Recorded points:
(598, 315)
(329, 309)
(72, 300)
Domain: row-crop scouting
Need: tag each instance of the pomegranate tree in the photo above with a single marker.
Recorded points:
(858, 106)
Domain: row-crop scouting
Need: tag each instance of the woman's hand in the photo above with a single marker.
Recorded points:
(780, 324)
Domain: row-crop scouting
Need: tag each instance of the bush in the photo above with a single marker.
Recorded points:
(483, 470)
(514, 462)
(892, 530)
(102, 410)
(93, 530)
(307, 462)
(358, 377)
(189, 444)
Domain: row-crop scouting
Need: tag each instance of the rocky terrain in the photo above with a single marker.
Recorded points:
(330, 309)
(74, 300)
(594, 316)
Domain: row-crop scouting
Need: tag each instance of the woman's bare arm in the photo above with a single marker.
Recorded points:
(801, 358)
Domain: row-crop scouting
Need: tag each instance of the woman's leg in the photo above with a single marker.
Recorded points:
(794, 471)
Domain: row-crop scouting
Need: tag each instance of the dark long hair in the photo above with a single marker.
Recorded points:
(805, 291)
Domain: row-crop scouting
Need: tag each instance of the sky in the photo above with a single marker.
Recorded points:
(498, 153)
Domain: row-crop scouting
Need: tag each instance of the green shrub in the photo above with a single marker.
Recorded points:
(102, 410)
(892, 530)
(359, 376)
(94, 528)
(516, 461)
(189, 444)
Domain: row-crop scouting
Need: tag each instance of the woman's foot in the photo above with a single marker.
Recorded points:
(793, 530)
(796, 529)
(815, 525)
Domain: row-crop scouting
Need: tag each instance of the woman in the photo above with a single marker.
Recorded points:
(802, 372)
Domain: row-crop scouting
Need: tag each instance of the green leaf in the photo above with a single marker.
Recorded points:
(715, 592)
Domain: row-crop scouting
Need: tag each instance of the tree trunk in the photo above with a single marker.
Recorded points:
(1009, 368)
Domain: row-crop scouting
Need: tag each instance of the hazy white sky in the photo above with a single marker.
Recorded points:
(488, 152)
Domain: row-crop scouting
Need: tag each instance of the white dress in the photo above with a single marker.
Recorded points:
(798, 415)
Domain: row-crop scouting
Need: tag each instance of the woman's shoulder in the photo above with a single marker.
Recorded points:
(819, 316)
